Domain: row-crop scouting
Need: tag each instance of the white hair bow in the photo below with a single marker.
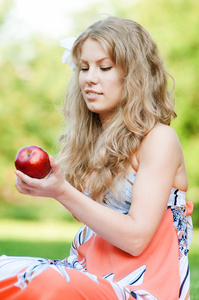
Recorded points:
(66, 57)
(68, 43)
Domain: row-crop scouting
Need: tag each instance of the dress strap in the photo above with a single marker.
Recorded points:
(177, 198)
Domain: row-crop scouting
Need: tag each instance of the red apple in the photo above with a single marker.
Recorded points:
(33, 161)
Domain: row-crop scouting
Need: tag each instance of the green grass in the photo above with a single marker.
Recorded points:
(54, 250)
(42, 239)
(194, 265)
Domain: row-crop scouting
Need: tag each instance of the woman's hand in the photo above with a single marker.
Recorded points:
(52, 186)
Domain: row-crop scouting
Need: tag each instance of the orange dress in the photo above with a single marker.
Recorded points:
(96, 269)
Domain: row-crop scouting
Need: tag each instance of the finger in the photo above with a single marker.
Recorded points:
(21, 187)
(26, 179)
(23, 191)
(54, 164)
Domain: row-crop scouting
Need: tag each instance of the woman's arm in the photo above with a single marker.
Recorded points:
(159, 159)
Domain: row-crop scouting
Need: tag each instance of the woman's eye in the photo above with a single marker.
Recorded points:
(106, 68)
(84, 69)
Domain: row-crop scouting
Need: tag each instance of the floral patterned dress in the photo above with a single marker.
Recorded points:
(96, 269)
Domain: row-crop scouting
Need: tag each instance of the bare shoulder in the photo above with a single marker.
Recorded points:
(162, 135)
(162, 130)
(161, 150)
(161, 146)
(161, 140)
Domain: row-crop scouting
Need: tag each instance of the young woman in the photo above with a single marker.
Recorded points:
(121, 172)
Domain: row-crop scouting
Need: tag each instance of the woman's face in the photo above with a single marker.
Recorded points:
(101, 82)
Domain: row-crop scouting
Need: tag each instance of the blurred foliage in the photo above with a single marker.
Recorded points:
(33, 209)
(33, 81)
(5, 6)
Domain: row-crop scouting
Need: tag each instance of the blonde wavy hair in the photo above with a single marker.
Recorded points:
(98, 157)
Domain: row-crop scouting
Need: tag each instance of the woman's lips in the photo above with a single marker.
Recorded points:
(91, 95)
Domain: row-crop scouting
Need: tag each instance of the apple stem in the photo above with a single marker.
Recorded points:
(28, 154)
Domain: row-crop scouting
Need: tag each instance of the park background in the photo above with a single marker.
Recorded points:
(32, 86)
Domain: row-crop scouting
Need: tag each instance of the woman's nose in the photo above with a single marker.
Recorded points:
(91, 76)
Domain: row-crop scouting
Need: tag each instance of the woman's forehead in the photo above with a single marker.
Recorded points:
(95, 49)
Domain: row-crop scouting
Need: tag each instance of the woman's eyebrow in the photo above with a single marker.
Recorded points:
(98, 61)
